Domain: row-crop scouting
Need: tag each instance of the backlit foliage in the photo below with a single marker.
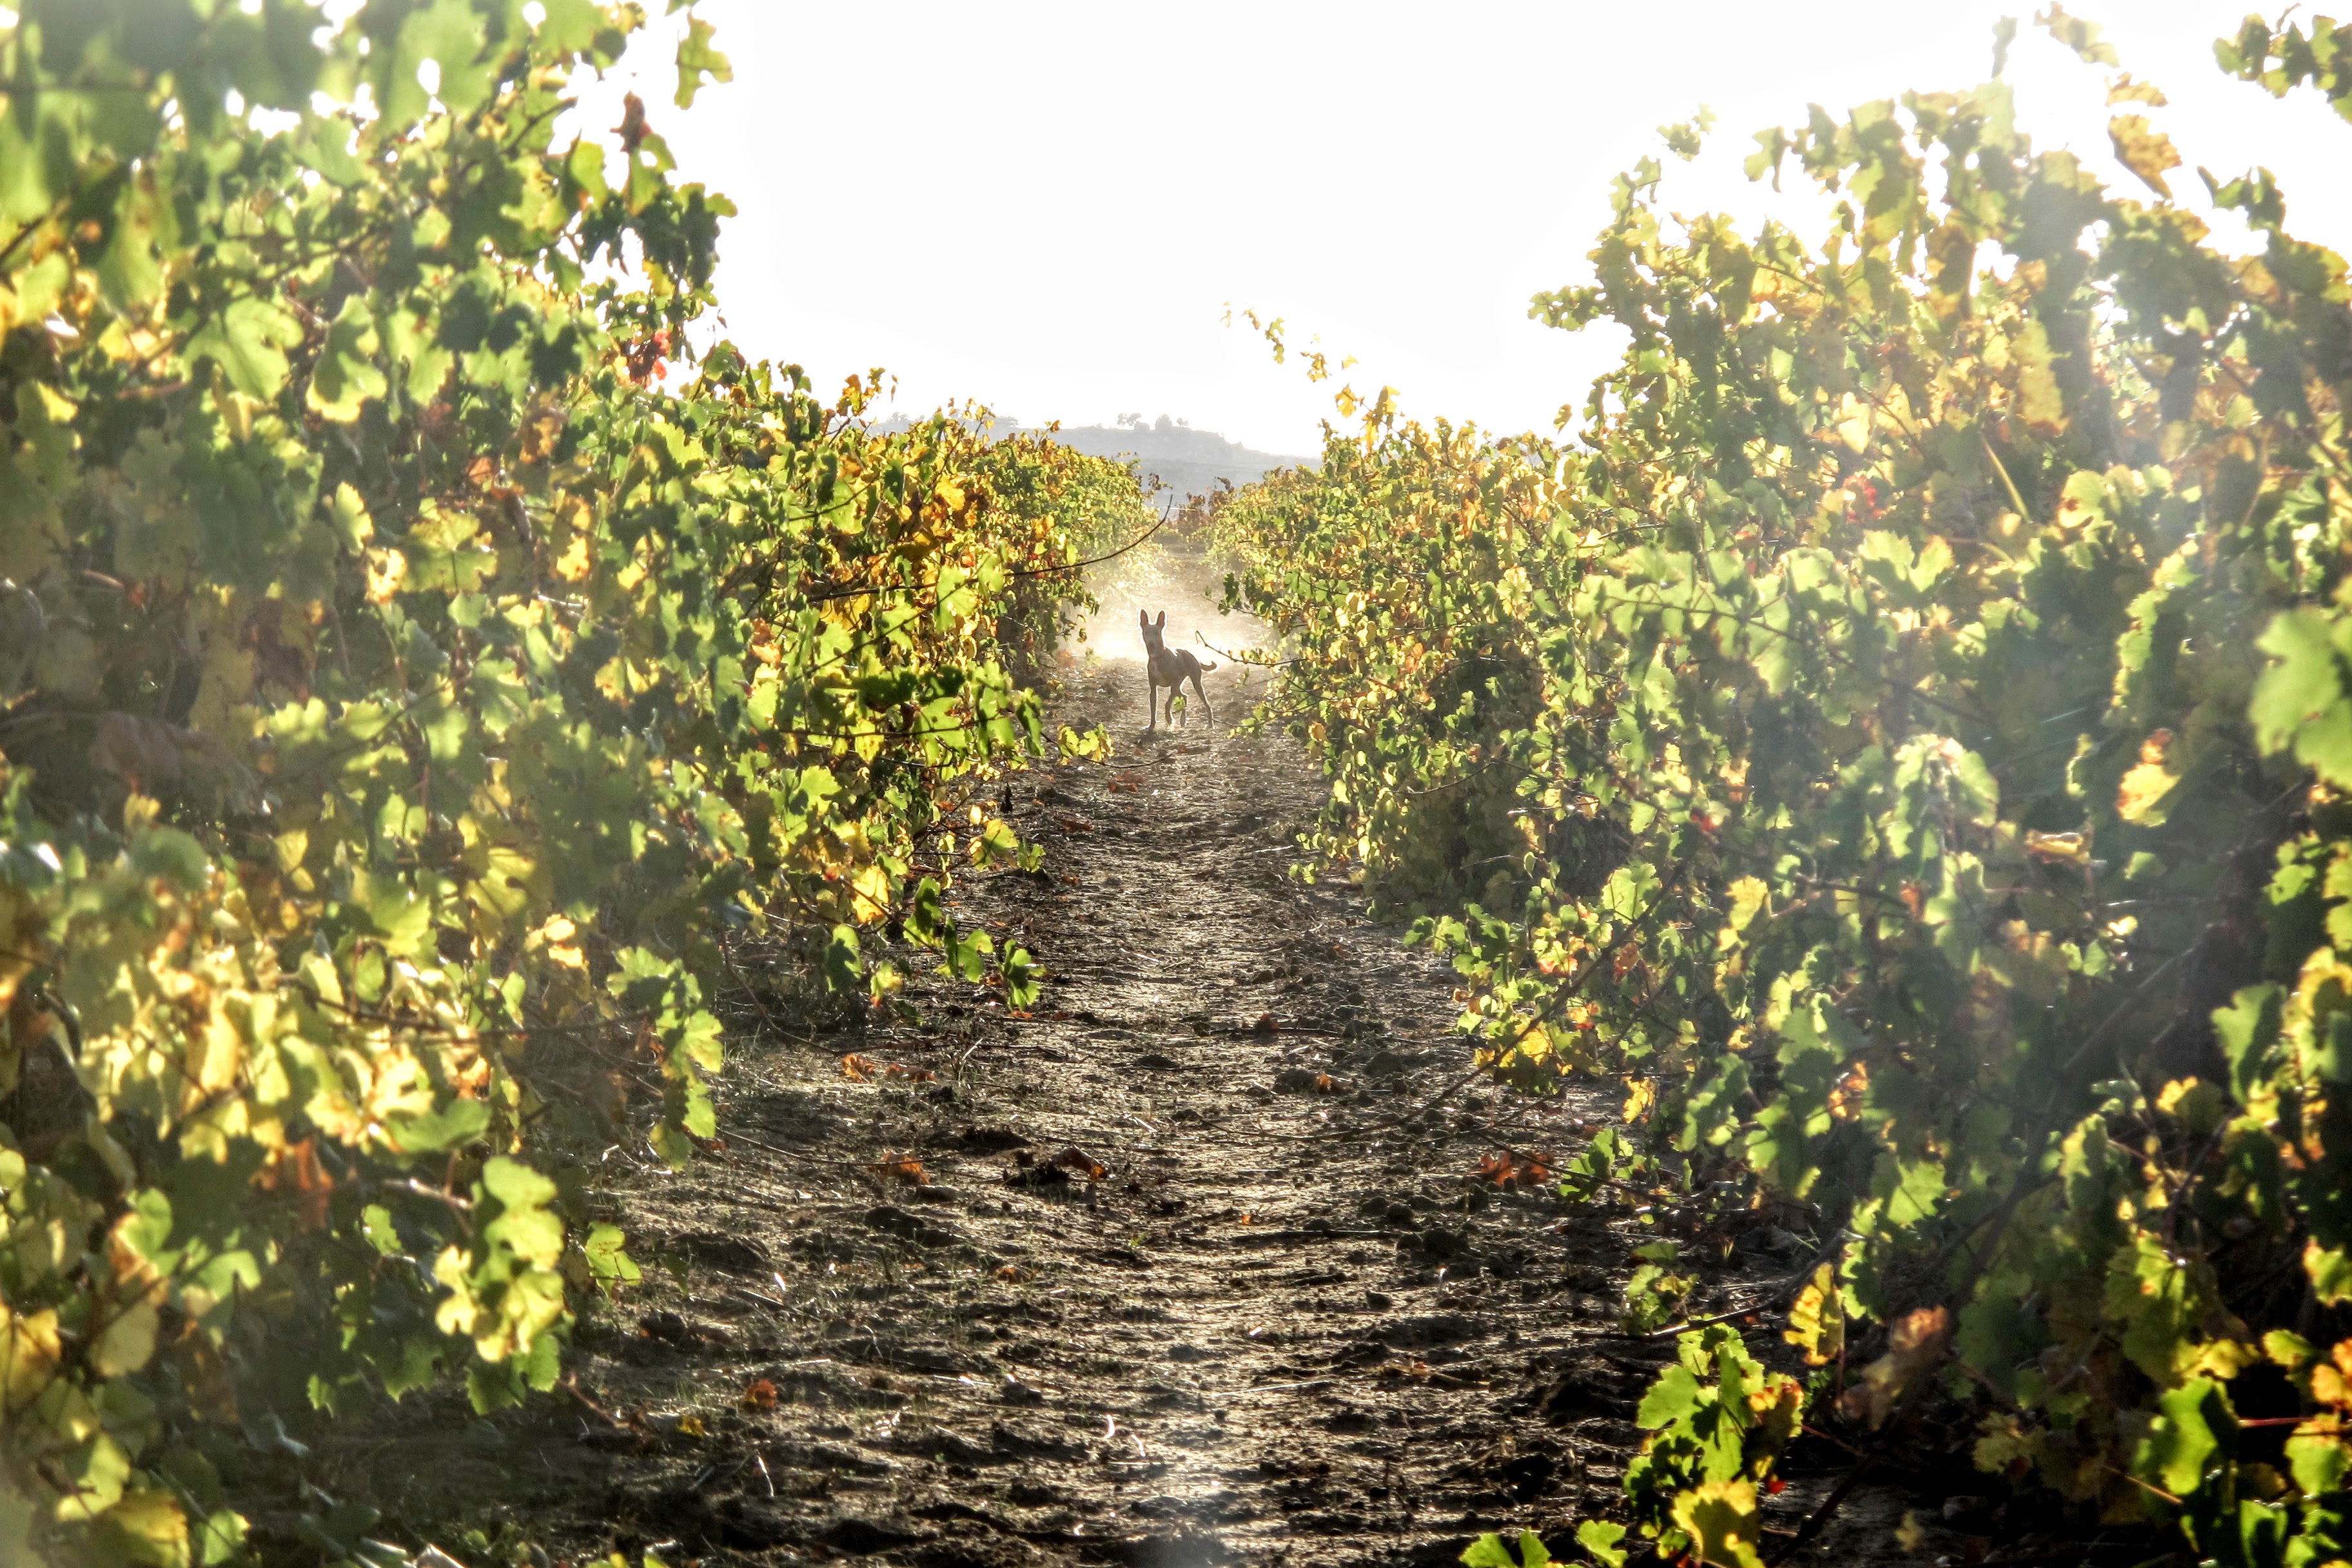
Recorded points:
(1908, 730)
(417, 684)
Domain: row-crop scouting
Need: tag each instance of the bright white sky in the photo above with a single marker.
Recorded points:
(1048, 207)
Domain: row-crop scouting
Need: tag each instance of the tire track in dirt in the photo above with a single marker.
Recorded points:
(1287, 1320)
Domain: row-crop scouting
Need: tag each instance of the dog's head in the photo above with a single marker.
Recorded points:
(1154, 637)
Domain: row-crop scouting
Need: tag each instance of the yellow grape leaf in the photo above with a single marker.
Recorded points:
(2004, 1445)
(1817, 1319)
(128, 1342)
(1723, 1523)
(2224, 1359)
(1910, 1535)
(29, 1349)
(147, 1527)
(349, 515)
(555, 938)
(507, 883)
(1748, 897)
(2077, 35)
(2144, 150)
(872, 886)
(2040, 403)
(458, 1313)
(1853, 424)
(1641, 1093)
(385, 570)
(2140, 799)
(2058, 849)
(1778, 1408)
(2199, 1105)
(2126, 90)
(292, 848)
(527, 1307)
(572, 565)
(2141, 795)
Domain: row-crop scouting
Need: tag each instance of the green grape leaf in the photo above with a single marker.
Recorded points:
(247, 338)
(345, 376)
(698, 62)
(459, 1122)
(2192, 1425)
(1602, 1540)
(2300, 699)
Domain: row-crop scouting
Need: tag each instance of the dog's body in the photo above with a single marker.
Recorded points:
(1170, 667)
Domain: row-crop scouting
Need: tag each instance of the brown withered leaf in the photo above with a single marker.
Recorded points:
(1913, 1345)
(857, 1069)
(2058, 849)
(296, 1171)
(2144, 150)
(910, 1075)
(1511, 1168)
(760, 1395)
(901, 1168)
(1266, 1025)
(1080, 1163)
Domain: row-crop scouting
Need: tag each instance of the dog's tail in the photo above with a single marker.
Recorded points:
(1208, 666)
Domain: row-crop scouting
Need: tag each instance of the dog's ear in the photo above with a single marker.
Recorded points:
(1163, 622)
(1143, 618)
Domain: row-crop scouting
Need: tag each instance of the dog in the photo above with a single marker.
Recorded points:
(1170, 667)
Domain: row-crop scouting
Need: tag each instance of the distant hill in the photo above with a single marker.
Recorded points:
(1188, 461)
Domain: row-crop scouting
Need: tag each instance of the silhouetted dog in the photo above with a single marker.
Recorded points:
(1170, 667)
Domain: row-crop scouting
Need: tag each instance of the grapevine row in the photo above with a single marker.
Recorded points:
(1905, 729)
(426, 694)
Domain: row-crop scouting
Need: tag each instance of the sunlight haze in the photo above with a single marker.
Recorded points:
(1394, 182)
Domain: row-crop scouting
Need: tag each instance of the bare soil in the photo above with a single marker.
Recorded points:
(1200, 1269)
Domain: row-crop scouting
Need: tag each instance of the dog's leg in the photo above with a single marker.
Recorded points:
(1150, 702)
(1203, 693)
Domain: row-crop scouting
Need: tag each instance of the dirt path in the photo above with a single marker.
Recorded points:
(1284, 1322)
(1201, 1269)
